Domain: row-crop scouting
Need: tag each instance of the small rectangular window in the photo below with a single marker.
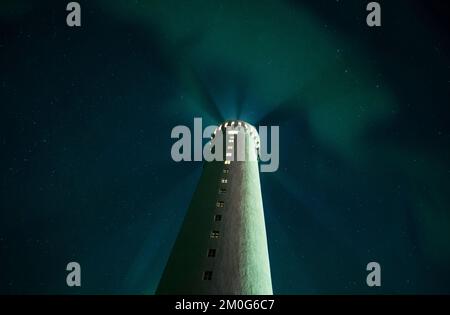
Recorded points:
(218, 217)
(227, 162)
(215, 234)
(211, 252)
(226, 171)
(224, 181)
(222, 190)
(220, 204)
(207, 275)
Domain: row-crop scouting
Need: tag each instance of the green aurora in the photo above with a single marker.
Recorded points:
(363, 116)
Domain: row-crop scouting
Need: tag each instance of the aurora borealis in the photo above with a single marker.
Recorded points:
(86, 115)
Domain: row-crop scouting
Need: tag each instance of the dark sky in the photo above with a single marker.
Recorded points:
(86, 115)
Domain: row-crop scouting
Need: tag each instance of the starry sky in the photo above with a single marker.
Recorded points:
(86, 115)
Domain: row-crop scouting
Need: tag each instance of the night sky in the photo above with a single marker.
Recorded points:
(86, 115)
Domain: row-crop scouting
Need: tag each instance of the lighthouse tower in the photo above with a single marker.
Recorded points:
(222, 245)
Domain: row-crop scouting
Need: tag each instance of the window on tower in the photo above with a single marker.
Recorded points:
(220, 204)
(227, 162)
(226, 171)
(222, 190)
(215, 234)
(207, 275)
(212, 252)
(224, 181)
(218, 217)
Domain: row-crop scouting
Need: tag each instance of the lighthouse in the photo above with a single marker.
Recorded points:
(221, 247)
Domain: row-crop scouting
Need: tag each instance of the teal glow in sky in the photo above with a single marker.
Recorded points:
(364, 138)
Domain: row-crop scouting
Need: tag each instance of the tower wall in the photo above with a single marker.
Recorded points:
(240, 264)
